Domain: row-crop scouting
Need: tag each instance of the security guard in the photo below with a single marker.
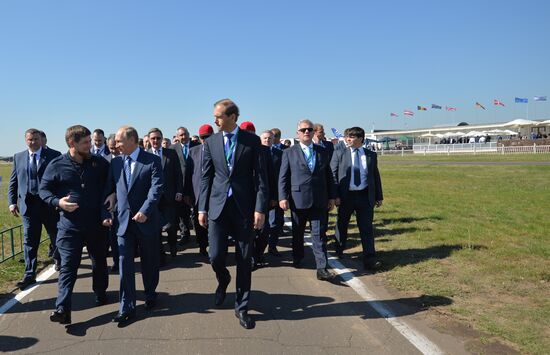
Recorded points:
(74, 182)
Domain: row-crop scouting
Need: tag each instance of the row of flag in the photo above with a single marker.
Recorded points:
(518, 100)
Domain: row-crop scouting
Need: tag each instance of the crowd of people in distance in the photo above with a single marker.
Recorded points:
(232, 187)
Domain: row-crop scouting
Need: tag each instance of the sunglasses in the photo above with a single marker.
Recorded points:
(304, 130)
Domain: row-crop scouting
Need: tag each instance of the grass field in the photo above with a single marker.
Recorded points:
(475, 234)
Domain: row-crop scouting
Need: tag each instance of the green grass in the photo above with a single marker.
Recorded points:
(475, 234)
(465, 157)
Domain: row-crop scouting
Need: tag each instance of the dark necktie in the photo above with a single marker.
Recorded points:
(185, 151)
(356, 169)
(33, 175)
(227, 145)
(128, 169)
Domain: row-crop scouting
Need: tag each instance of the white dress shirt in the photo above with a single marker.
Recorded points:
(362, 168)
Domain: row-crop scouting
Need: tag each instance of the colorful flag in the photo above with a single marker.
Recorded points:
(394, 115)
(498, 103)
(336, 133)
(539, 98)
(420, 108)
(521, 100)
(448, 108)
(478, 105)
(437, 107)
(408, 113)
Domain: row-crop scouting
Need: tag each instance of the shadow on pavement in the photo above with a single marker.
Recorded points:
(11, 343)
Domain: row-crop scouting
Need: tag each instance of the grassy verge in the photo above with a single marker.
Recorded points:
(478, 235)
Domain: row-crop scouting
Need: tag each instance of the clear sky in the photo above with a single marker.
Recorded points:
(342, 63)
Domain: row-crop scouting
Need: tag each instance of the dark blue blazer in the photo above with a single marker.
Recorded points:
(17, 189)
(274, 167)
(185, 172)
(247, 179)
(341, 170)
(142, 195)
(298, 184)
(194, 165)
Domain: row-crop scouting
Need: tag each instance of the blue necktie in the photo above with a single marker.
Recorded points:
(128, 169)
(185, 151)
(227, 145)
(356, 169)
(33, 176)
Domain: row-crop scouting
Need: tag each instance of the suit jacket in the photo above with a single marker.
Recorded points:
(185, 173)
(17, 189)
(341, 170)
(194, 165)
(302, 187)
(329, 148)
(275, 156)
(141, 195)
(247, 178)
(173, 180)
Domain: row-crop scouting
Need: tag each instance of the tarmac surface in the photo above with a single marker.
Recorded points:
(294, 312)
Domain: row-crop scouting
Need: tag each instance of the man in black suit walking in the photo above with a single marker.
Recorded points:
(28, 168)
(355, 170)
(172, 191)
(232, 201)
(306, 186)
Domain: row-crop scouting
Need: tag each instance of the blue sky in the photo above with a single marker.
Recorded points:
(342, 63)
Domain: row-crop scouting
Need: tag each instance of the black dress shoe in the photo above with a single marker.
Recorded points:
(122, 317)
(273, 251)
(173, 251)
(203, 252)
(101, 299)
(372, 265)
(245, 320)
(324, 275)
(296, 263)
(221, 292)
(61, 317)
(57, 264)
(150, 304)
(27, 281)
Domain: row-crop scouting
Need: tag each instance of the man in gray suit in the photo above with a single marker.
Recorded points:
(355, 170)
(306, 186)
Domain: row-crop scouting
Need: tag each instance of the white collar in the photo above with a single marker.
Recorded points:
(38, 152)
(303, 146)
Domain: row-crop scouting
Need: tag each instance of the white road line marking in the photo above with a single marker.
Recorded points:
(418, 340)
(43, 276)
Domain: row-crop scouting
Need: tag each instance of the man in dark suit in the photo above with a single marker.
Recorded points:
(74, 183)
(306, 186)
(135, 180)
(99, 146)
(232, 201)
(172, 190)
(182, 147)
(355, 171)
(28, 168)
(277, 139)
(113, 243)
(319, 138)
(196, 154)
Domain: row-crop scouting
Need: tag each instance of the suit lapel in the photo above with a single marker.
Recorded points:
(163, 159)
(41, 160)
(318, 158)
(239, 147)
(137, 169)
(301, 156)
(221, 148)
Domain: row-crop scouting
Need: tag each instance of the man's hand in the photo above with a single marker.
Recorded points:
(337, 202)
(67, 206)
(203, 219)
(179, 197)
(107, 222)
(259, 219)
(140, 217)
(110, 201)
(284, 205)
(378, 203)
(14, 210)
(330, 204)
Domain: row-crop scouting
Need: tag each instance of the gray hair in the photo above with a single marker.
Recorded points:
(305, 121)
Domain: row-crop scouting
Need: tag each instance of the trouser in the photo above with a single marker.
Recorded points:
(70, 244)
(319, 244)
(148, 246)
(276, 221)
(231, 222)
(184, 218)
(201, 233)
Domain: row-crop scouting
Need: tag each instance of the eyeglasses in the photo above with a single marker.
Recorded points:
(304, 130)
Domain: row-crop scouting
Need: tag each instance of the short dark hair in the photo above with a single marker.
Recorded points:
(32, 131)
(154, 130)
(357, 132)
(276, 132)
(230, 107)
(42, 134)
(130, 132)
(76, 133)
(99, 131)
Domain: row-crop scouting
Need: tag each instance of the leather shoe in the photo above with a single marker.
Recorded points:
(150, 304)
(203, 252)
(125, 316)
(61, 317)
(173, 251)
(100, 299)
(27, 281)
(221, 292)
(245, 320)
(273, 251)
(372, 265)
(296, 264)
(57, 264)
(324, 275)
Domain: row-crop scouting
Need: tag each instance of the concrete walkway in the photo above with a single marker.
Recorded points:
(294, 312)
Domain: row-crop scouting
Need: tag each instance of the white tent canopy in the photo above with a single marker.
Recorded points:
(520, 122)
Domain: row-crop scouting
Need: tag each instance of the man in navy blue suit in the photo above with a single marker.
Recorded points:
(28, 168)
(232, 201)
(355, 170)
(135, 180)
(306, 186)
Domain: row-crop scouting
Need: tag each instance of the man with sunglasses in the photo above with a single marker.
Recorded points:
(355, 170)
(306, 186)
